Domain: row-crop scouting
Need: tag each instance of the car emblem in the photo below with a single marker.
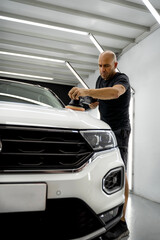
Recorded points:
(0, 145)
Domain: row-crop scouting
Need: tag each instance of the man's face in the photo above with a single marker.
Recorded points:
(107, 66)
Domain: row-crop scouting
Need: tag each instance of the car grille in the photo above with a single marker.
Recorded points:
(64, 219)
(34, 148)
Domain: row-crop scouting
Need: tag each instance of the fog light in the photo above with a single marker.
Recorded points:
(113, 181)
(107, 216)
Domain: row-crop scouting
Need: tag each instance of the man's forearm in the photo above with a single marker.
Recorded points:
(103, 93)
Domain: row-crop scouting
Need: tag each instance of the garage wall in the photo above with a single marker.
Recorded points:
(142, 65)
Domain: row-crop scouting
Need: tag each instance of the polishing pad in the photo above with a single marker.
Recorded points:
(75, 108)
(75, 105)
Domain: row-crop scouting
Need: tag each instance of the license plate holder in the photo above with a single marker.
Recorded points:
(22, 197)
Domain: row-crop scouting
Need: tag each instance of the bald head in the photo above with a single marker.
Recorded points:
(108, 55)
(107, 64)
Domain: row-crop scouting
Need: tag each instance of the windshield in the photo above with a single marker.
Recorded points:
(28, 93)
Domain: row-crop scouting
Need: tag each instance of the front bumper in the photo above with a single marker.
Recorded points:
(64, 219)
(75, 201)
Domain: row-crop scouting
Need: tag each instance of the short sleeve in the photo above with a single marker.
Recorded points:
(122, 79)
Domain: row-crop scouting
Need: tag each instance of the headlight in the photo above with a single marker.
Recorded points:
(100, 139)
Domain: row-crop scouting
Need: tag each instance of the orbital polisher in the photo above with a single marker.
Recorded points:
(75, 105)
(81, 104)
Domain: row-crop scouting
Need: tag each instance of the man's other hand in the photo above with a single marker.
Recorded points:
(93, 105)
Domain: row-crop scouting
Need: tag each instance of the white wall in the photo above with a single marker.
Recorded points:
(142, 65)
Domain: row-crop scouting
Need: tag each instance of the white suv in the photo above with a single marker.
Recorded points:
(60, 169)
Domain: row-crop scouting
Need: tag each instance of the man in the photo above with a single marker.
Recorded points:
(113, 94)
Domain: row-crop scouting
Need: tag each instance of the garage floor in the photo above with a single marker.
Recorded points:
(143, 218)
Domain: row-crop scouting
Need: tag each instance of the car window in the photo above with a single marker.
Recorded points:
(27, 93)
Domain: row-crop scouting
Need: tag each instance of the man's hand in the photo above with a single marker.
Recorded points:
(93, 105)
(76, 92)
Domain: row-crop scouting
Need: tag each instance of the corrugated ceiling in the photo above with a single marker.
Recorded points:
(30, 49)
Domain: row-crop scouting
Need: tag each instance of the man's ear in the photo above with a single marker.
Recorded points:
(116, 64)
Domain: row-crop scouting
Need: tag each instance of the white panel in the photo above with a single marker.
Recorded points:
(141, 63)
(22, 197)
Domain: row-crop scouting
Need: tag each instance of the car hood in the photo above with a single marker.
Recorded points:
(34, 115)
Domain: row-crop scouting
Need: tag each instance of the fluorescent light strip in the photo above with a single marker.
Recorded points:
(26, 75)
(43, 25)
(46, 59)
(152, 10)
(33, 57)
(76, 74)
(55, 28)
(96, 43)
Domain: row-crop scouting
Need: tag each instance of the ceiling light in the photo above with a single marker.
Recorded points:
(96, 43)
(55, 28)
(26, 75)
(45, 59)
(152, 10)
(43, 25)
(77, 75)
(33, 57)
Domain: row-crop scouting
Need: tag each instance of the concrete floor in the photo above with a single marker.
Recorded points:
(143, 219)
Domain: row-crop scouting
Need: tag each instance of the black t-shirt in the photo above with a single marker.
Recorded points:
(115, 112)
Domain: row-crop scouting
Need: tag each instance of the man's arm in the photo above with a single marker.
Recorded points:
(102, 93)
